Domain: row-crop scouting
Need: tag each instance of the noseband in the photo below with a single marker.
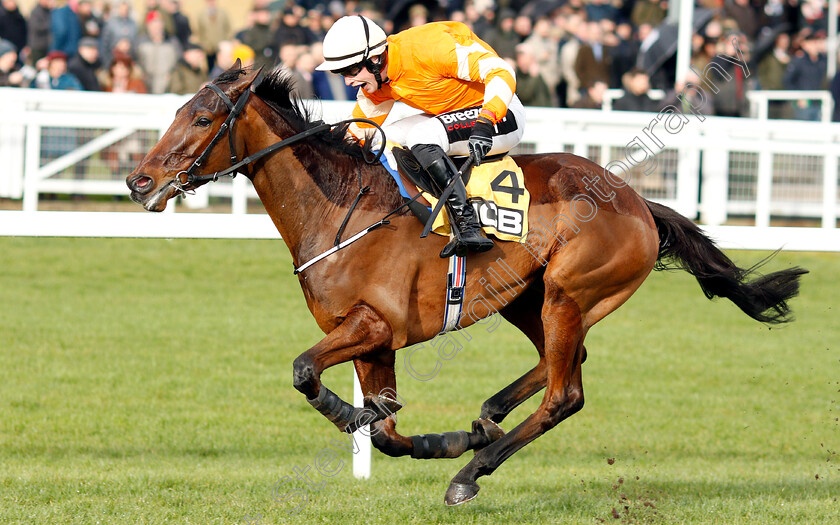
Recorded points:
(192, 181)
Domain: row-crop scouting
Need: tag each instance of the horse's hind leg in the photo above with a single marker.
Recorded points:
(563, 395)
(502, 403)
(525, 314)
(376, 375)
(362, 332)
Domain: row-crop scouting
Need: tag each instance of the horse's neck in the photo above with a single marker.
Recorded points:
(305, 211)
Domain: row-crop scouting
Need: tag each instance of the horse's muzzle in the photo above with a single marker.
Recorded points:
(144, 192)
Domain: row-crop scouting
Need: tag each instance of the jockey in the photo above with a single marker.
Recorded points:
(465, 90)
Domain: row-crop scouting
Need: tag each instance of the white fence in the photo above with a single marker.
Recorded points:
(745, 173)
(759, 100)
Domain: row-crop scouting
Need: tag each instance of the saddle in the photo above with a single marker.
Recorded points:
(414, 179)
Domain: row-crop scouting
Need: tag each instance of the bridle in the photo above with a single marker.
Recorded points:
(193, 181)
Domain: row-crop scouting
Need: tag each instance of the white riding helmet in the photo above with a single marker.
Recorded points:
(352, 40)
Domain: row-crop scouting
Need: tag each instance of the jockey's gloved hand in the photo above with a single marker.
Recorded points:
(481, 139)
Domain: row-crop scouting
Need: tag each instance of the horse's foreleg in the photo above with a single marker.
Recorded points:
(376, 376)
(563, 397)
(362, 332)
(387, 440)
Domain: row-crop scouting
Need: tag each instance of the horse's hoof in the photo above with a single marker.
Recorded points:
(384, 405)
(488, 429)
(376, 409)
(458, 493)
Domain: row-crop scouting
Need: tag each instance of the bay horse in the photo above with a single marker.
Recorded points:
(386, 291)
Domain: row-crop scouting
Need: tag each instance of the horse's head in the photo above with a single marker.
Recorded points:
(196, 143)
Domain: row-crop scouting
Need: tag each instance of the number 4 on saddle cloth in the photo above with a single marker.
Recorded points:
(496, 189)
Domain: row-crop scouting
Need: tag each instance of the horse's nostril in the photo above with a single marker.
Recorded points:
(141, 183)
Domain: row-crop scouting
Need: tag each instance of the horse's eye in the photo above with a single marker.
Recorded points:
(203, 122)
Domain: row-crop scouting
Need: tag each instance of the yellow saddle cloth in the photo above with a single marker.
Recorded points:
(497, 191)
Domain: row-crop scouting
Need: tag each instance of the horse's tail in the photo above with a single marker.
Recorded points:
(683, 246)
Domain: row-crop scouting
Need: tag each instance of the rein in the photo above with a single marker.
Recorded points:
(227, 126)
(235, 109)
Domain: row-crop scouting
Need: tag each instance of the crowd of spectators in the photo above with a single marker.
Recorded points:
(566, 53)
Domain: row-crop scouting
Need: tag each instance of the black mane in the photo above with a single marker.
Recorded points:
(277, 89)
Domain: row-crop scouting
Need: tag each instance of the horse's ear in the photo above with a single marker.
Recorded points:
(235, 88)
(237, 64)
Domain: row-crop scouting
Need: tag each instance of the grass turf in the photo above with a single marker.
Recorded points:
(149, 381)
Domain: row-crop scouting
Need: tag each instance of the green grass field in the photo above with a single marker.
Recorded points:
(149, 381)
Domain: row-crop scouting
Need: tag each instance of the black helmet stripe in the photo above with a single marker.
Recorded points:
(367, 37)
(351, 55)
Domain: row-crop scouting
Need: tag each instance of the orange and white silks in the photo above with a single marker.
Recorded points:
(439, 67)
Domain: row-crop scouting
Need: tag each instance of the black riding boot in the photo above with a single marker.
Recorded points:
(460, 211)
